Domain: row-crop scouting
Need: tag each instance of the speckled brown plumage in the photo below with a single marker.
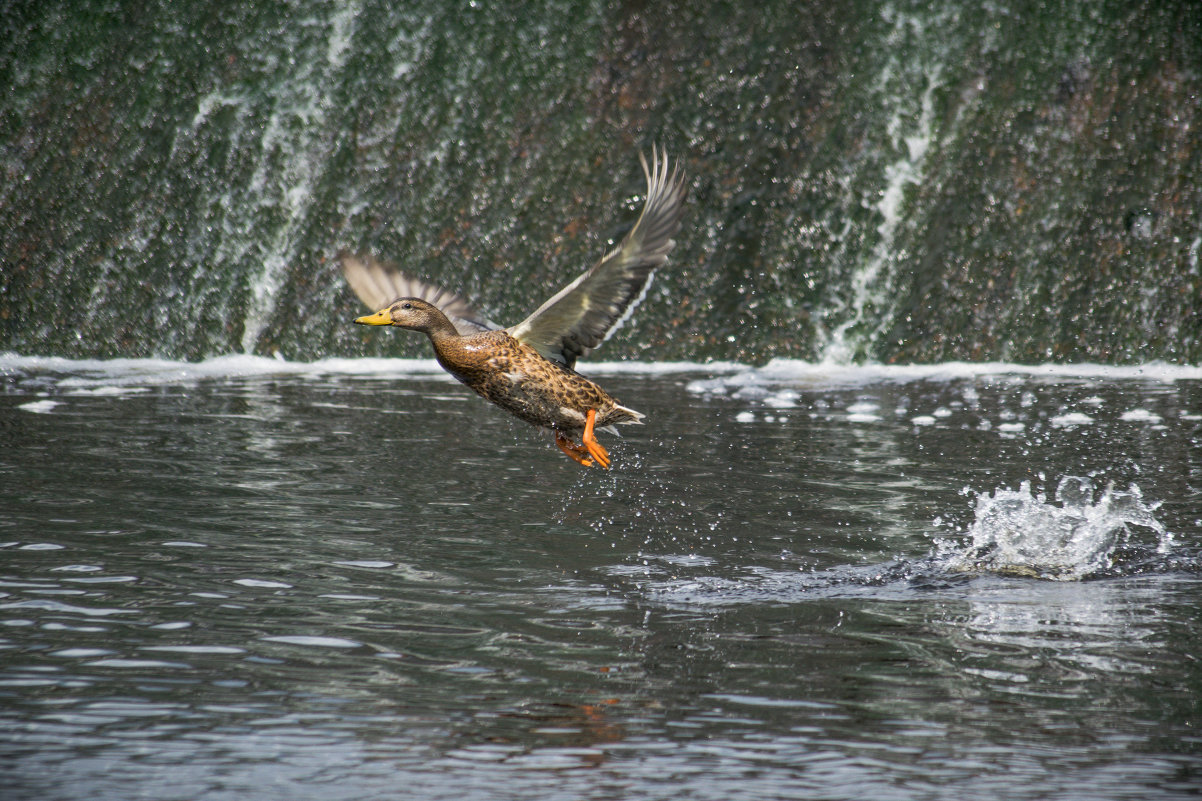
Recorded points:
(527, 369)
(519, 380)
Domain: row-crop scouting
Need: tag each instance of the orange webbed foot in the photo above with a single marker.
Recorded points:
(577, 453)
(595, 449)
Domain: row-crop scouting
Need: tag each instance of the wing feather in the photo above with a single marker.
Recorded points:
(583, 314)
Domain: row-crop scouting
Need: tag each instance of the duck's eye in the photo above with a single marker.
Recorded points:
(406, 305)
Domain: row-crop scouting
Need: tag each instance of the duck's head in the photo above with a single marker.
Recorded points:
(412, 313)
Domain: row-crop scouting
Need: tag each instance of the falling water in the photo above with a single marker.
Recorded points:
(910, 132)
(886, 181)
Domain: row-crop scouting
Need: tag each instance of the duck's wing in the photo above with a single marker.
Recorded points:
(583, 314)
(378, 284)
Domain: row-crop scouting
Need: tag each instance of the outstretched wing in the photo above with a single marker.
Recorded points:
(378, 284)
(585, 312)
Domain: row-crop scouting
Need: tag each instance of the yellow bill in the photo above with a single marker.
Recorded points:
(382, 317)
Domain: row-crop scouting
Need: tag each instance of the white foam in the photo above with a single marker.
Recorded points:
(660, 368)
(1069, 419)
(785, 399)
(114, 376)
(109, 376)
(824, 374)
(1141, 416)
(39, 407)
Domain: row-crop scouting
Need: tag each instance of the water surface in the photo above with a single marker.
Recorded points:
(256, 579)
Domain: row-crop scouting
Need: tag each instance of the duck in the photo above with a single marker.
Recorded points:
(528, 369)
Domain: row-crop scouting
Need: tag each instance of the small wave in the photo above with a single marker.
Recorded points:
(39, 407)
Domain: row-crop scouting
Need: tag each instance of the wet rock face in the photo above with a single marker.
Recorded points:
(872, 181)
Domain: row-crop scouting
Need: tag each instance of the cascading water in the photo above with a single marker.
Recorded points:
(906, 85)
(888, 180)
(303, 109)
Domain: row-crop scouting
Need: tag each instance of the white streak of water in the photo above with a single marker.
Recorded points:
(911, 135)
(776, 379)
(291, 162)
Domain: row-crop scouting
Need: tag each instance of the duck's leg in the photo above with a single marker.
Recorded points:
(577, 452)
(595, 448)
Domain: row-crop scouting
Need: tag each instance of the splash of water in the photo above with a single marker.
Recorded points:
(1018, 532)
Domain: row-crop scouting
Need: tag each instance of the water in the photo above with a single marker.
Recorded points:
(286, 569)
(247, 578)
(1080, 537)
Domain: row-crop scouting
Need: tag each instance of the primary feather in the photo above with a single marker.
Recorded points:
(585, 312)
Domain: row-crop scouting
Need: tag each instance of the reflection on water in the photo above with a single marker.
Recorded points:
(220, 579)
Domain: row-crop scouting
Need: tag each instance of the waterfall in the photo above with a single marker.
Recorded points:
(906, 87)
(886, 181)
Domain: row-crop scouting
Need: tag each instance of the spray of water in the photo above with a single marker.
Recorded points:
(1023, 533)
(294, 127)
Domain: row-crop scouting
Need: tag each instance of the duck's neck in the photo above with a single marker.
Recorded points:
(448, 348)
(441, 329)
(444, 338)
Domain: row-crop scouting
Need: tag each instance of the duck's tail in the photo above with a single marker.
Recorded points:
(621, 416)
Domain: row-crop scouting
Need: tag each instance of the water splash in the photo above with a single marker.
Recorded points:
(1020, 533)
